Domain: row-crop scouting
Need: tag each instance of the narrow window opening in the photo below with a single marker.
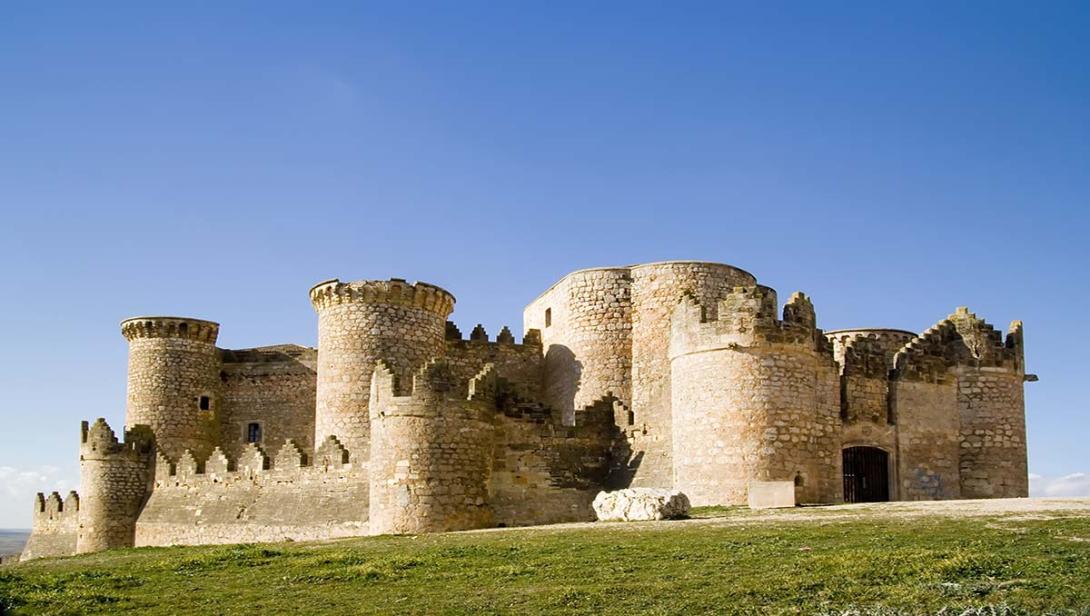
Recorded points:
(799, 481)
(548, 317)
(631, 418)
(204, 403)
(253, 432)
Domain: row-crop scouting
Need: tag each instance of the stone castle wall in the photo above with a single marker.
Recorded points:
(520, 365)
(674, 374)
(254, 498)
(272, 386)
(544, 471)
(55, 527)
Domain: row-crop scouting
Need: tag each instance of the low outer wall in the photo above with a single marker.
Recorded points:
(56, 525)
(299, 504)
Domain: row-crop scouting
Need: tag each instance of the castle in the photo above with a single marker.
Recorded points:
(677, 374)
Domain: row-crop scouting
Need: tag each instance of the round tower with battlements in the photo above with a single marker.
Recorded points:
(115, 478)
(431, 451)
(360, 323)
(754, 398)
(173, 384)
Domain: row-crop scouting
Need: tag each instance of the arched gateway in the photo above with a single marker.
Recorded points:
(866, 475)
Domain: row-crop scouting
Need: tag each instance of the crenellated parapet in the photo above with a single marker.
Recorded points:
(746, 317)
(754, 398)
(983, 346)
(360, 323)
(435, 388)
(960, 339)
(867, 352)
(55, 523)
(99, 441)
(252, 466)
(478, 335)
(395, 291)
(51, 512)
(115, 477)
(431, 449)
(170, 327)
(173, 381)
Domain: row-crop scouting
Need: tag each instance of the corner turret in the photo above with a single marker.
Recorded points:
(115, 478)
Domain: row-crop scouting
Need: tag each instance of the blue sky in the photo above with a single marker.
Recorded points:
(216, 159)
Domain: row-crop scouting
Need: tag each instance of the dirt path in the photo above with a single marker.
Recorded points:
(1010, 508)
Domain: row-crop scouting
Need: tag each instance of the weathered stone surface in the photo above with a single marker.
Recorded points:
(636, 504)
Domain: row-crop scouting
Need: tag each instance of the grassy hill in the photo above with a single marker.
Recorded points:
(838, 560)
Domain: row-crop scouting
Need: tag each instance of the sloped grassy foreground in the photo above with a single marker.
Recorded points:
(870, 565)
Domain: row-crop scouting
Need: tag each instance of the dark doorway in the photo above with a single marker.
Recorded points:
(866, 475)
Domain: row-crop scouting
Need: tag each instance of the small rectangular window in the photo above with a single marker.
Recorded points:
(253, 433)
(205, 403)
(548, 317)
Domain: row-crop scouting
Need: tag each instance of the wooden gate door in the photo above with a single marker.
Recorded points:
(866, 475)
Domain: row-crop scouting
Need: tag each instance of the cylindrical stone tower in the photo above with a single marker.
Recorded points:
(586, 333)
(360, 323)
(992, 409)
(656, 288)
(753, 398)
(114, 480)
(173, 384)
(431, 453)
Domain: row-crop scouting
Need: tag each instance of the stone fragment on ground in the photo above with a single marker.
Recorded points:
(635, 504)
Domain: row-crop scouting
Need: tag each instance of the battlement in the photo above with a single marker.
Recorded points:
(866, 351)
(50, 511)
(395, 291)
(479, 336)
(435, 388)
(745, 317)
(252, 465)
(170, 327)
(962, 338)
(98, 440)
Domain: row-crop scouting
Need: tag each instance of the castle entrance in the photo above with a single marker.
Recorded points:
(866, 475)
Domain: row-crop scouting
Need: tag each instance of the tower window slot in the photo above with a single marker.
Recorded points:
(548, 317)
(253, 432)
(204, 403)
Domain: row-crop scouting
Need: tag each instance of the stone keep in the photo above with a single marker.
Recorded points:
(676, 376)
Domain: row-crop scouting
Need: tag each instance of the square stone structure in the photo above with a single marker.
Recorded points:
(771, 494)
(683, 374)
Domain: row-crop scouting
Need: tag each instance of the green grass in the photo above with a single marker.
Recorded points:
(878, 565)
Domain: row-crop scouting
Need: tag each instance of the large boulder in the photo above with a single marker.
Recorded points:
(641, 504)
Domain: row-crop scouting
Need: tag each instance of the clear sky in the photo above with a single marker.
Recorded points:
(216, 159)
